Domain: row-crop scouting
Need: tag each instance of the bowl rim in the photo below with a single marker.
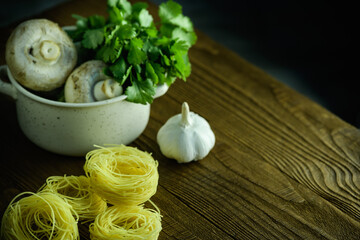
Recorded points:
(161, 89)
(37, 98)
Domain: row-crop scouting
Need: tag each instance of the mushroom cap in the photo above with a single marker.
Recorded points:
(40, 55)
(81, 82)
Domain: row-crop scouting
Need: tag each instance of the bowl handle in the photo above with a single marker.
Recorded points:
(6, 87)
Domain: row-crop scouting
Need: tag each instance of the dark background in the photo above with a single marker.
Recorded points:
(308, 45)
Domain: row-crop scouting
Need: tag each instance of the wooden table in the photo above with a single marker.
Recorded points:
(283, 167)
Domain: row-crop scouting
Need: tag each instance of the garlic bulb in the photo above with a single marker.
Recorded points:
(186, 136)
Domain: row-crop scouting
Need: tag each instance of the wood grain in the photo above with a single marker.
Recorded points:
(283, 167)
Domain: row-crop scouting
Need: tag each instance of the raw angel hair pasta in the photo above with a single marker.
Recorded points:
(122, 175)
(78, 193)
(122, 223)
(39, 216)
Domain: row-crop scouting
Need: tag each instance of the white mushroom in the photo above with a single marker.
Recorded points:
(88, 83)
(40, 55)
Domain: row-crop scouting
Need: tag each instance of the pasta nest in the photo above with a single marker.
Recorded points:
(122, 175)
(78, 193)
(39, 216)
(123, 223)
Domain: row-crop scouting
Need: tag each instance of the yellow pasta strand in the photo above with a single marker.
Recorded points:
(78, 193)
(131, 222)
(122, 175)
(39, 216)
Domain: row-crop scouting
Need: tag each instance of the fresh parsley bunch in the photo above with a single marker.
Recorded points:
(139, 53)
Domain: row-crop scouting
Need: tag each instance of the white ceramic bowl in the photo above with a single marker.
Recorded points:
(74, 128)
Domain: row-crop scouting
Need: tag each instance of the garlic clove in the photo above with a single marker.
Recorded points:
(186, 137)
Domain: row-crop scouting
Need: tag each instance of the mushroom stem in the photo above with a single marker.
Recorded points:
(185, 115)
(107, 89)
(49, 50)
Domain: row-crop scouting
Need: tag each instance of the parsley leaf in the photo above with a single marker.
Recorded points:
(126, 32)
(93, 38)
(125, 5)
(175, 24)
(182, 22)
(145, 18)
(150, 73)
(160, 72)
(169, 10)
(137, 7)
(152, 51)
(81, 21)
(141, 91)
(115, 15)
(189, 37)
(96, 21)
(136, 54)
(109, 53)
(119, 68)
(112, 3)
(139, 53)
